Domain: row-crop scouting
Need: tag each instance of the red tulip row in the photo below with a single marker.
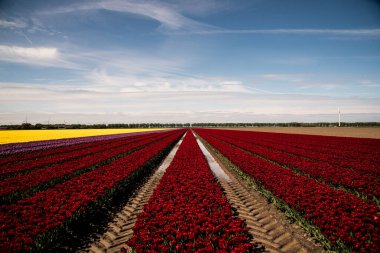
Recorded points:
(68, 155)
(27, 220)
(188, 211)
(344, 144)
(365, 183)
(362, 162)
(43, 153)
(23, 182)
(339, 215)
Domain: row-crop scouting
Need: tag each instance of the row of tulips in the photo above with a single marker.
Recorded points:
(362, 162)
(188, 211)
(24, 166)
(29, 222)
(16, 148)
(365, 183)
(9, 159)
(11, 188)
(345, 144)
(346, 220)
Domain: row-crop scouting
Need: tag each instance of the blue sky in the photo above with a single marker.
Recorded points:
(189, 61)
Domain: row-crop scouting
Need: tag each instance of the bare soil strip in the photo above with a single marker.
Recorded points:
(269, 227)
(358, 132)
(120, 229)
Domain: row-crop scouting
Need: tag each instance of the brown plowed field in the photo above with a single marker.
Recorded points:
(359, 132)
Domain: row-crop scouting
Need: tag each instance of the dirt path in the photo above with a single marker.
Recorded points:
(269, 227)
(359, 132)
(120, 229)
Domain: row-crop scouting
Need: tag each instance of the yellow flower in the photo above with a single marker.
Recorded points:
(13, 136)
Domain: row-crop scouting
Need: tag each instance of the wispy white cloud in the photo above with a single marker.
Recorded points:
(171, 16)
(26, 37)
(131, 71)
(37, 56)
(108, 106)
(12, 24)
(168, 15)
(369, 83)
(320, 85)
(333, 32)
(36, 25)
(309, 83)
(294, 60)
(101, 80)
(204, 8)
(283, 77)
(128, 61)
(14, 53)
(127, 72)
(159, 12)
(298, 82)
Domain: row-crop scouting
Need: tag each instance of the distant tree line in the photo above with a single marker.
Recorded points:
(25, 126)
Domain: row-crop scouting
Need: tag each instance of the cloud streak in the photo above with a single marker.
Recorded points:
(283, 77)
(14, 53)
(16, 24)
(167, 15)
(172, 18)
(369, 83)
(36, 56)
(191, 99)
(330, 32)
(101, 80)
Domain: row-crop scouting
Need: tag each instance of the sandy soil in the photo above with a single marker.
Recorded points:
(359, 132)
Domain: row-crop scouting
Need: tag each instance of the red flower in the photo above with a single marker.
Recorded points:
(197, 215)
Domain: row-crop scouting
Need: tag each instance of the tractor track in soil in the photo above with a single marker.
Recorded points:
(271, 231)
(268, 226)
(120, 229)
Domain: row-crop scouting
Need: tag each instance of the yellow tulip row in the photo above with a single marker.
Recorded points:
(14, 136)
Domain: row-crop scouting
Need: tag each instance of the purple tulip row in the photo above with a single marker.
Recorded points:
(14, 148)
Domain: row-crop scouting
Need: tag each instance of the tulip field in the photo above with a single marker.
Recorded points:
(63, 190)
(331, 182)
(330, 186)
(188, 211)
